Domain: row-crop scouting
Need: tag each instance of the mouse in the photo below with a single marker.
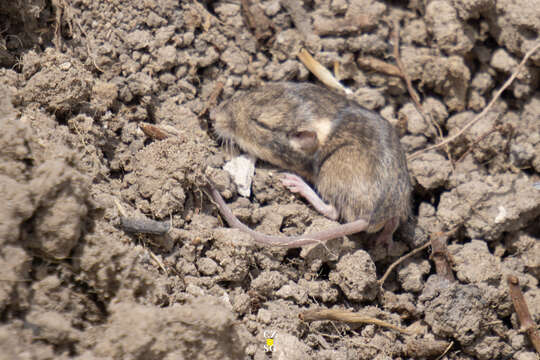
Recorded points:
(345, 160)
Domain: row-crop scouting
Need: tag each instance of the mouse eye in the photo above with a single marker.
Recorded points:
(262, 124)
(271, 118)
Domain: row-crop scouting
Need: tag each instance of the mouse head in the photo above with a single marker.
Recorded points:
(273, 126)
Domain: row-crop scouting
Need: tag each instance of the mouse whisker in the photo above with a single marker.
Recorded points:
(230, 146)
(235, 149)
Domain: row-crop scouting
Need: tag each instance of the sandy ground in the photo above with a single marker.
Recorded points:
(78, 77)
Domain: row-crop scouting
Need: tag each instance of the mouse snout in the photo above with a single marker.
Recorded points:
(223, 123)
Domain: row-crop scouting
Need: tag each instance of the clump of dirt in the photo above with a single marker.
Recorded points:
(80, 77)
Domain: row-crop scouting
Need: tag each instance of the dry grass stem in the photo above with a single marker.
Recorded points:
(400, 260)
(322, 73)
(412, 93)
(445, 351)
(348, 317)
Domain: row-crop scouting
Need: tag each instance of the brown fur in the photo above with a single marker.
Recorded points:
(352, 155)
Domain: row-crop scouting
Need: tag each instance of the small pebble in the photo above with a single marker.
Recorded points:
(65, 66)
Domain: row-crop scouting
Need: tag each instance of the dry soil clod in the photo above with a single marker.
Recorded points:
(256, 20)
(486, 109)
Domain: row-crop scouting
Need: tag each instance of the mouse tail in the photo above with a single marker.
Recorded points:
(286, 241)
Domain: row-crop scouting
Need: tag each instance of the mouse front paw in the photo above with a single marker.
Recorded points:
(295, 183)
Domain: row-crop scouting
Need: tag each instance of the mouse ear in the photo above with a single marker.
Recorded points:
(305, 140)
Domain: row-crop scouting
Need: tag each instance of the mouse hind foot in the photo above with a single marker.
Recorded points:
(296, 184)
(385, 236)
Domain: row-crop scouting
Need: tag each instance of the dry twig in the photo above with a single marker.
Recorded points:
(413, 94)
(158, 261)
(377, 65)
(145, 225)
(522, 311)
(93, 155)
(486, 109)
(212, 99)
(425, 347)
(400, 260)
(348, 317)
(141, 225)
(445, 351)
(16, 280)
(441, 257)
(89, 40)
(208, 17)
(58, 6)
(498, 128)
(153, 131)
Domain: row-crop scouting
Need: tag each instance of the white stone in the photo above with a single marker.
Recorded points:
(241, 169)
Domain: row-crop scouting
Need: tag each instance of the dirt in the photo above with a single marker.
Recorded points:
(78, 77)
